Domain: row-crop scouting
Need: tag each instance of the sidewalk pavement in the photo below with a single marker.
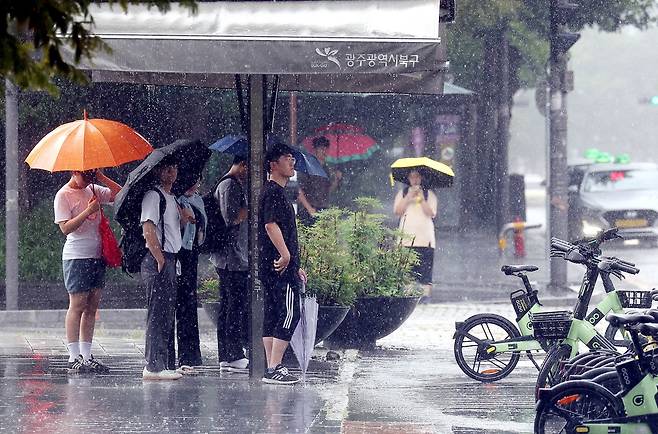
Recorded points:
(362, 392)
(38, 395)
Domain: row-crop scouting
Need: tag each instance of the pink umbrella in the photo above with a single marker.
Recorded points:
(346, 142)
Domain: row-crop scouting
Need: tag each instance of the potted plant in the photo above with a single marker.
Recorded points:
(208, 294)
(380, 274)
(324, 257)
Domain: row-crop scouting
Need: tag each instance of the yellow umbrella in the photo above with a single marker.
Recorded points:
(434, 174)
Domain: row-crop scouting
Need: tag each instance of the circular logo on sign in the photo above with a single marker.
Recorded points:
(447, 153)
(638, 400)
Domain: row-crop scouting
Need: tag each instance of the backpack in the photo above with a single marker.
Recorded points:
(132, 241)
(216, 229)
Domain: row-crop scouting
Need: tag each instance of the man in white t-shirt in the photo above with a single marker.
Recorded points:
(158, 269)
(77, 212)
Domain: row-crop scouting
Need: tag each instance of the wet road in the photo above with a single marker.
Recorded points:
(412, 379)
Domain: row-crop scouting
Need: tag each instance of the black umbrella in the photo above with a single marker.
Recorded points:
(191, 156)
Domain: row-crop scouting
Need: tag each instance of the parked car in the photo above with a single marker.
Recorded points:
(607, 195)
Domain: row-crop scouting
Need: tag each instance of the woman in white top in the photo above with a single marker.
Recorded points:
(77, 206)
(416, 206)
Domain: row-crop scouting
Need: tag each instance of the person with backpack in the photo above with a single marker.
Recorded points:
(77, 213)
(162, 233)
(232, 266)
(416, 206)
(187, 322)
(279, 263)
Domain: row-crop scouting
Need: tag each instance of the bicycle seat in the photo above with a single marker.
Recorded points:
(649, 330)
(511, 269)
(617, 320)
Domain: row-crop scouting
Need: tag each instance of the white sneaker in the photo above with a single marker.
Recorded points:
(162, 375)
(240, 365)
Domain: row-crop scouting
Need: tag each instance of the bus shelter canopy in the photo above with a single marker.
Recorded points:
(374, 46)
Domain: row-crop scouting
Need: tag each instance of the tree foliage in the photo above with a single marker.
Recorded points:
(528, 25)
(31, 43)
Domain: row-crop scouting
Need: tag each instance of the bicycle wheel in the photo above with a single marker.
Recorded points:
(553, 370)
(569, 404)
(472, 357)
(579, 363)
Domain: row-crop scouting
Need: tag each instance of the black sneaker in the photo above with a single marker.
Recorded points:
(79, 366)
(96, 366)
(280, 375)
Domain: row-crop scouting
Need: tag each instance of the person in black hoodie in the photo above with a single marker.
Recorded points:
(279, 268)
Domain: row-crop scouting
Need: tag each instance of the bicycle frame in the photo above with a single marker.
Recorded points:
(582, 327)
(638, 396)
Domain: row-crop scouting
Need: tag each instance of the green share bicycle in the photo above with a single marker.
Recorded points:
(488, 346)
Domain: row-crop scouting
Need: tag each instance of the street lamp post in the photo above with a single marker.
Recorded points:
(560, 40)
(11, 196)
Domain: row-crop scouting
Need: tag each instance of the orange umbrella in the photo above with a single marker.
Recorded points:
(88, 144)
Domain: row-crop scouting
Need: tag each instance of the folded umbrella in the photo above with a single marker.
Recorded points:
(86, 145)
(191, 156)
(434, 173)
(303, 338)
(238, 145)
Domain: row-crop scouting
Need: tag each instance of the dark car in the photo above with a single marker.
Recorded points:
(606, 195)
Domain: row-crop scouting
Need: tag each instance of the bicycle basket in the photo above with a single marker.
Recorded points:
(634, 299)
(551, 325)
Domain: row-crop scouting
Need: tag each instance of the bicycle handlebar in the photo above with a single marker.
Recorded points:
(589, 249)
(624, 267)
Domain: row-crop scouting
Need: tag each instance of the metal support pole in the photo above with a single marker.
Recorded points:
(557, 190)
(11, 198)
(256, 177)
(293, 118)
(503, 132)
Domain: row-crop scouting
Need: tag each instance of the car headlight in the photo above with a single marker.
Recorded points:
(591, 229)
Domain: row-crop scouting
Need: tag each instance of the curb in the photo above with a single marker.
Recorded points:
(118, 319)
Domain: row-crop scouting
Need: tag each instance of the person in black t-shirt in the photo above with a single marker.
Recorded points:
(279, 263)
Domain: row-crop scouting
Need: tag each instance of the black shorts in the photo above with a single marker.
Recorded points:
(423, 271)
(281, 299)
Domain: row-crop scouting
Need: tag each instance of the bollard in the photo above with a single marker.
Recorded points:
(518, 228)
(519, 240)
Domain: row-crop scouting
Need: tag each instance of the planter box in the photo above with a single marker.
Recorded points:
(329, 318)
(371, 318)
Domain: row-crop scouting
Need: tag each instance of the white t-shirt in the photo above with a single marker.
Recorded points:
(84, 242)
(415, 222)
(151, 211)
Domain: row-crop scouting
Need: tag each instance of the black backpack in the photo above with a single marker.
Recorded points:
(216, 229)
(132, 241)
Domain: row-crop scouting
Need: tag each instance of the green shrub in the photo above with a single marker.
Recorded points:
(381, 265)
(325, 258)
(348, 254)
(39, 246)
(208, 290)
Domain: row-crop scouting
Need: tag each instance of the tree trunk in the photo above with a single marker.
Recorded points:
(492, 135)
